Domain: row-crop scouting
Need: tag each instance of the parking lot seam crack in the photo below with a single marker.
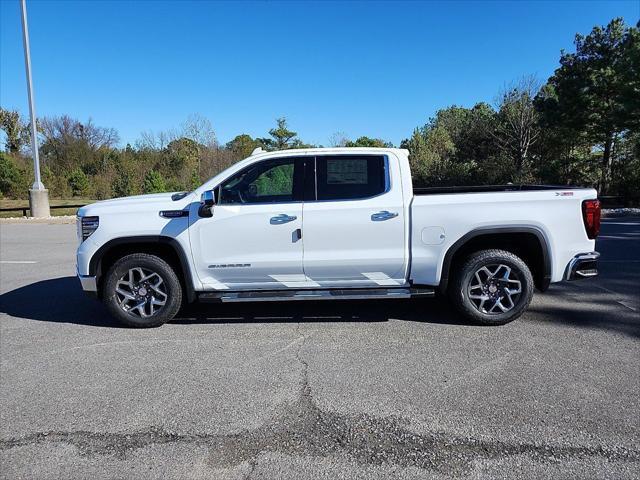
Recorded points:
(305, 430)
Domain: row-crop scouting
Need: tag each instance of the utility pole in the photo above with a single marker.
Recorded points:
(38, 195)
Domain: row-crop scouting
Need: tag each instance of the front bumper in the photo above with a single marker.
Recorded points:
(583, 265)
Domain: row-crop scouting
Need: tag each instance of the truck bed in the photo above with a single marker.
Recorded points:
(441, 216)
(490, 188)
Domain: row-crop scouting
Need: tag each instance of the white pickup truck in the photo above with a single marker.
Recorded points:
(335, 223)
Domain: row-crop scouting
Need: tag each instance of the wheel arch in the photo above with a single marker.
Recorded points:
(162, 246)
(528, 242)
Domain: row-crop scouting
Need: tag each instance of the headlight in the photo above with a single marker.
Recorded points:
(88, 226)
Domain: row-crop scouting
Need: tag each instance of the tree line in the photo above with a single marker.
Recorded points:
(581, 126)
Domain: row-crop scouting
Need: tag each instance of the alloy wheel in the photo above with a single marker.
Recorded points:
(494, 289)
(141, 292)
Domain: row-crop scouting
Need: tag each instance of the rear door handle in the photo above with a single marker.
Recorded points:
(282, 218)
(383, 215)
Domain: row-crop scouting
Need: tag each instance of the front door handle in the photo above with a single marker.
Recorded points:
(383, 215)
(282, 218)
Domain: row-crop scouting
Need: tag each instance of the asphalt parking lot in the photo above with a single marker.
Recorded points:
(317, 390)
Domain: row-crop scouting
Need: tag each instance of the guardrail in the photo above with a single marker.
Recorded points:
(25, 209)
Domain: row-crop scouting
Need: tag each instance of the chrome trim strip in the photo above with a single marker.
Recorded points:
(321, 294)
(572, 267)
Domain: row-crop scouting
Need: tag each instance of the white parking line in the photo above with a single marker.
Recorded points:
(17, 261)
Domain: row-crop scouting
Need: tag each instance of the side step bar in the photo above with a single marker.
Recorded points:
(327, 294)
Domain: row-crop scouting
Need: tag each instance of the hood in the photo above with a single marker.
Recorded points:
(140, 203)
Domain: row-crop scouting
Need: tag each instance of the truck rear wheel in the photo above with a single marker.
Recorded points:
(142, 290)
(492, 287)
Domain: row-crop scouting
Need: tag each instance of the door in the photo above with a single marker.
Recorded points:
(252, 239)
(354, 231)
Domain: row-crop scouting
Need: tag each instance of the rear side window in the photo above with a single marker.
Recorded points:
(349, 177)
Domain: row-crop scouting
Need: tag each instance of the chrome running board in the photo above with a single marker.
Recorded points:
(326, 294)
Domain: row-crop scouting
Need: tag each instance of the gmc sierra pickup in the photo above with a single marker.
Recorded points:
(336, 223)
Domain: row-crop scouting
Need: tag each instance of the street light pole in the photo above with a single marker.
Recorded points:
(38, 195)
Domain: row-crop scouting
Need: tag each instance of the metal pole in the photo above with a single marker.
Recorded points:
(37, 184)
(38, 195)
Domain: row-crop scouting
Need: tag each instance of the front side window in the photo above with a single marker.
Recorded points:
(270, 181)
(349, 177)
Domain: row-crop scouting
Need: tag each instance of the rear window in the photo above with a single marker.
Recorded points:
(349, 177)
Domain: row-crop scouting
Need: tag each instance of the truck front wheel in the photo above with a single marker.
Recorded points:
(142, 290)
(492, 287)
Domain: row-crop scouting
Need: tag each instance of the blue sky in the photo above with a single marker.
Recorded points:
(376, 68)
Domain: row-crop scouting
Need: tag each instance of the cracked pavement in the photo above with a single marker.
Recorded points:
(317, 390)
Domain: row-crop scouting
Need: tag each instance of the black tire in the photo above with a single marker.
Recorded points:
(142, 264)
(496, 298)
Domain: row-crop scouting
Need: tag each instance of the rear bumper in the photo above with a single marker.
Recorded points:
(583, 265)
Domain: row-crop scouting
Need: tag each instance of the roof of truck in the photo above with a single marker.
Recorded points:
(329, 150)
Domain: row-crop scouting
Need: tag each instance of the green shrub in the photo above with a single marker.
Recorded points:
(100, 188)
(78, 182)
(13, 182)
(195, 180)
(122, 186)
(173, 185)
(154, 183)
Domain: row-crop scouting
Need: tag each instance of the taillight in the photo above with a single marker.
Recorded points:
(591, 217)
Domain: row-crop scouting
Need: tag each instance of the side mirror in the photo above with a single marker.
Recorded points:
(207, 201)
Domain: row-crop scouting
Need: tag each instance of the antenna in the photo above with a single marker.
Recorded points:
(256, 151)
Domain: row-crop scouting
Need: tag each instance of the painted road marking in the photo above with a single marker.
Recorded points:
(17, 261)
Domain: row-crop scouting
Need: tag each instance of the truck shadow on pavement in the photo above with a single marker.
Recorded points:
(61, 300)
(428, 311)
